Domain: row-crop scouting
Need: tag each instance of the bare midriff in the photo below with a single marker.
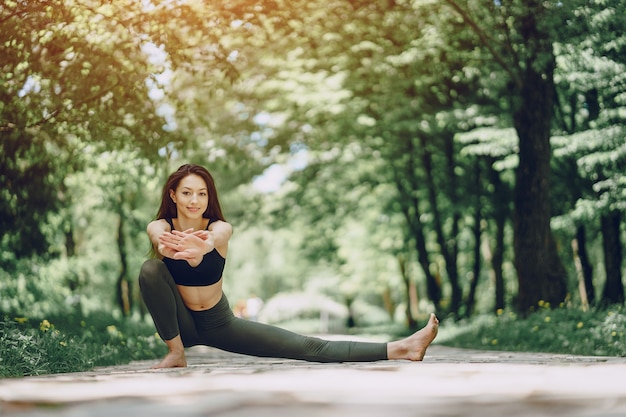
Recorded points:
(201, 298)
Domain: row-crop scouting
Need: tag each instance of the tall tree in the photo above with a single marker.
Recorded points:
(397, 110)
(519, 36)
(95, 73)
(495, 150)
(71, 72)
(590, 148)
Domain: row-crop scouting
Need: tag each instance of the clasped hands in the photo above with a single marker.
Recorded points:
(188, 245)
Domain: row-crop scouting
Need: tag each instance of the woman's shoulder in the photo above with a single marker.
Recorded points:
(160, 223)
(218, 222)
(221, 226)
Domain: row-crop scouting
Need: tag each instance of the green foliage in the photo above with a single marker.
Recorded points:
(73, 343)
(591, 111)
(101, 101)
(565, 330)
(601, 158)
(31, 170)
(36, 287)
(31, 351)
(85, 77)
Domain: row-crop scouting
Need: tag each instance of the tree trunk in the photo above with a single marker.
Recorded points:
(613, 292)
(407, 185)
(447, 246)
(433, 286)
(471, 296)
(498, 262)
(501, 199)
(541, 274)
(476, 229)
(582, 290)
(585, 265)
(124, 298)
(410, 319)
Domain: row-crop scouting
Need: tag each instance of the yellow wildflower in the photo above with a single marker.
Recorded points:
(112, 330)
(21, 320)
(45, 325)
(580, 325)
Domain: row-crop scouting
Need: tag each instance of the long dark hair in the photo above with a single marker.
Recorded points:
(168, 207)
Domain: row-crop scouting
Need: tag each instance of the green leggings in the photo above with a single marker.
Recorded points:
(218, 327)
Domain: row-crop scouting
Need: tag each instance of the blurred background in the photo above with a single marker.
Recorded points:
(378, 159)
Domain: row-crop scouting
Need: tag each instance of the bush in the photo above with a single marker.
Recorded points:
(599, 332)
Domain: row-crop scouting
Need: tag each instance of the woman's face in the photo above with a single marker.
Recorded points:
(191, 197)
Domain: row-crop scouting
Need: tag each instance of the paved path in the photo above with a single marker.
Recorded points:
(449, 382)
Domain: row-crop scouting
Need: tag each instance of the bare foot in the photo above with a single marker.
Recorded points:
(174, 359)
(414, 347)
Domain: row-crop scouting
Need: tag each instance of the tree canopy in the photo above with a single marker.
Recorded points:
(467, 140)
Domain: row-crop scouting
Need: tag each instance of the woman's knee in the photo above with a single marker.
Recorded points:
(151, 272)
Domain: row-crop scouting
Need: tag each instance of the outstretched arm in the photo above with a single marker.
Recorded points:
(192, 246)
(156, 229)
(220, 233)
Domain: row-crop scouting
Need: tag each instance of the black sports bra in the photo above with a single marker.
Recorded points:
(208, 272)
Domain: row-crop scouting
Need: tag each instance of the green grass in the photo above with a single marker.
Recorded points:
(30, 346)
(566, 330)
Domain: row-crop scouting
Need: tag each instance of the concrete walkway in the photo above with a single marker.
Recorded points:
(449, 382)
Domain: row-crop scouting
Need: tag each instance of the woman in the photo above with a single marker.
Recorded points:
(182, 288)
